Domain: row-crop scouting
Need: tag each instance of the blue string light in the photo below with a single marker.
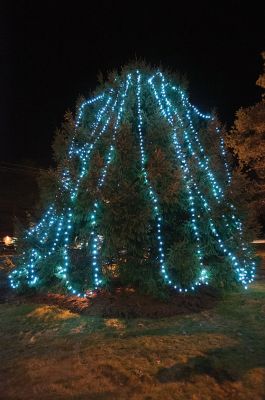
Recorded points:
(185, 170)
(94, 235)
(249, 268)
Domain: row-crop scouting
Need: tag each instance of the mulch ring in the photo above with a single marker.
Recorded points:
(128, 303)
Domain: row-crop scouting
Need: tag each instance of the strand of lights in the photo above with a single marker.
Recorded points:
(151, 192)
(244, 247)
(37, 227)
(217, 190)
(207, 116)
(94, 235)
(35, 255)
(81, 111)
(184, 166)
(85, 104)
(64, 270)
(85, 154)
(223, 153)
(242, 272)
(57, 236)
(50, 217)
(195, 109)
(28, 271)
(53, 218)
(84, 151)
(72, 151)
(101, 112)
(191, 149)
(237, 223)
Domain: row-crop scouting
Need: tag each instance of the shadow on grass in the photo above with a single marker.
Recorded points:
(224, 365)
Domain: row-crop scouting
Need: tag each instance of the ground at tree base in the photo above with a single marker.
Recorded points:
(49, 352)
(126, 303)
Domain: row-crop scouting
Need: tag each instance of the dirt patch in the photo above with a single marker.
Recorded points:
(128, 303)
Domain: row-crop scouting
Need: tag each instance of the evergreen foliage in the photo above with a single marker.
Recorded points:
(141, 196)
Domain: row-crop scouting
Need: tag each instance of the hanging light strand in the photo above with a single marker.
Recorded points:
(185, 169)
(101, 181)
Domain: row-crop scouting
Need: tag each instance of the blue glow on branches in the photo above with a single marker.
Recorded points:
(53, 234)
(185, 169)
(152, 194)
(95, 241)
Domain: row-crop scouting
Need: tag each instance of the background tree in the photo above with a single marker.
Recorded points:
(247, 142)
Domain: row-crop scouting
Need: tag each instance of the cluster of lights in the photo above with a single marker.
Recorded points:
(66, 178)
(49, 219)
(37, 228)
(209, 117)
(165, 110)
(203, 166)
(63, 271)
(85, 153)
(152, 194)
(191, 106)
(84, 105)
(59, 226)
(217, 191)
(223, 153)
(235, 220)
(94, 235)
(246, 271)
(27, 272)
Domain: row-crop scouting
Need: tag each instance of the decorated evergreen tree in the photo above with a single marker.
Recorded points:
(141, 197)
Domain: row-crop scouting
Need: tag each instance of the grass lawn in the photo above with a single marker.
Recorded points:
(51, 353)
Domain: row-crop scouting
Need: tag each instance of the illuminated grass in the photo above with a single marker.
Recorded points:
(51, 353)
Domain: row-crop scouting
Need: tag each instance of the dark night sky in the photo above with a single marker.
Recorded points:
(51, 53)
